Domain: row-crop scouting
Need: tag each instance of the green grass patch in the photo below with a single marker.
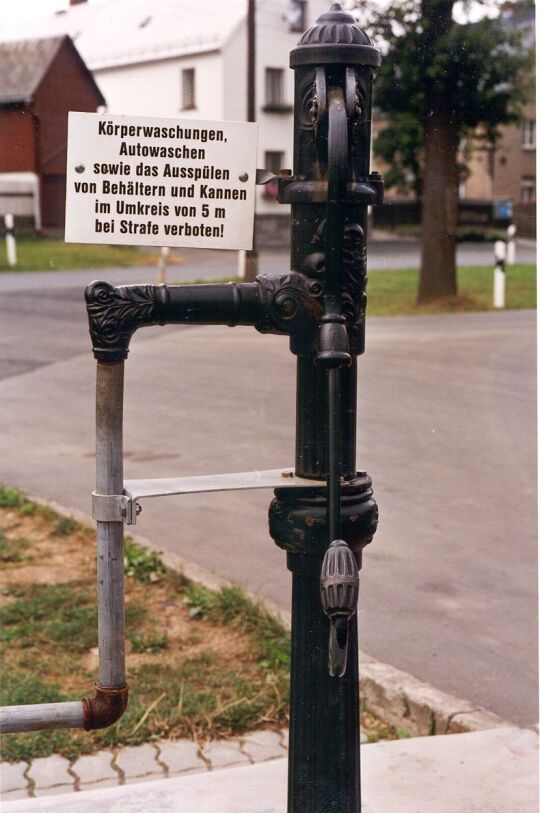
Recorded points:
(232, 606)
(221, 671)
(14, 499)
(65, 526)
(201, 663)
(393, 293)
(147, 643)
(64, 614)
(142, 564)
(14, 550)
(18, 688)
(52, 254)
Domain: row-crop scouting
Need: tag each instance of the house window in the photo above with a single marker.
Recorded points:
(529, 134)
(274, 87)
(528, 189)
(273, 162)
(274, 91)
(188, 89)
(296, 15)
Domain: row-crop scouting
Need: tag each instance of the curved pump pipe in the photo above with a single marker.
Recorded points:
(111, 691)
(339, 573)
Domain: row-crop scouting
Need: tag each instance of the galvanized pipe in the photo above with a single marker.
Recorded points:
(110, 578)
(110, 535)
(40, 716)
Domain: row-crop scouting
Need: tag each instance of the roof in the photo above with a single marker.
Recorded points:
(24, 64)
(122, 32)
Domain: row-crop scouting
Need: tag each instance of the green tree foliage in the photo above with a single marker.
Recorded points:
(398, 145)
(441, 81)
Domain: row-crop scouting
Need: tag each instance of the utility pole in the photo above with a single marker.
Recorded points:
(251, 263)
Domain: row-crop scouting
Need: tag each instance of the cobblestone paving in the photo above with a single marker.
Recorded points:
(55, 774)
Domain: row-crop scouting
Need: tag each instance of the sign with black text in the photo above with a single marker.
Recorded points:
(160, 182)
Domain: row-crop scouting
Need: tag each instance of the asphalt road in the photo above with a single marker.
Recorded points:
(211, 265)
(447, 429)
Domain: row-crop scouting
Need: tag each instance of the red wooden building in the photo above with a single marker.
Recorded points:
(41, 80)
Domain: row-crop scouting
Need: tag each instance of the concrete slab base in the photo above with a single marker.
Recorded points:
(492, 771)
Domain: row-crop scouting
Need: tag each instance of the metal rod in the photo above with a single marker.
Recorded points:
(40, 716)
(110, 569)
(333, 341)
(337, 189)
(110, 535)
(334, 454)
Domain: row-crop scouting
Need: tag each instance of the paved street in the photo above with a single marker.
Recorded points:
(447, 409)
(211, 265)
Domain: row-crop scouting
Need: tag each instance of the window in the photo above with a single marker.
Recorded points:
(274, 91)
(273, 162)
(296, 15)
(528, 141)
(528, 189)
(274, 87)
(188, 89)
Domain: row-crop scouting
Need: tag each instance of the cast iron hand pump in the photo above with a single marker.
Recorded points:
(323, 513)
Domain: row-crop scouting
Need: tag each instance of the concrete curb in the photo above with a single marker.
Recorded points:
(416, 707)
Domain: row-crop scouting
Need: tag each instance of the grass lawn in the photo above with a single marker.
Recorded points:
(52, 254)
(393, 293)
(201, 664)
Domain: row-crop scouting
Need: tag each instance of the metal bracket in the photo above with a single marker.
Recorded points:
(115, 508)
(125, 507)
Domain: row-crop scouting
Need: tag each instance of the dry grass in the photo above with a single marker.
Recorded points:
(201, 664)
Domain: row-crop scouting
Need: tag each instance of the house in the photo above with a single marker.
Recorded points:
(494, 174)
(507, 170)
(40, 81)
(183, 59)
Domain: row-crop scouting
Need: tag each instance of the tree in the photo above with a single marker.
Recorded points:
(398, 145)
(444, 81)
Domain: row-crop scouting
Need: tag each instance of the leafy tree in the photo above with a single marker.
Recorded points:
(399, 145)
(439, 82)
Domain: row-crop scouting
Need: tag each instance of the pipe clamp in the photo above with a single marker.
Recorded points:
(115, 508)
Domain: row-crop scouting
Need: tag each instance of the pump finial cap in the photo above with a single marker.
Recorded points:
(335, 37)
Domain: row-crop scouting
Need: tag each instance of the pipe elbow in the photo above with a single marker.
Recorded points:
(105, 708)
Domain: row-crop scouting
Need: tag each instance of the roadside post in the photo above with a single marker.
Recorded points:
(162, 265)
(511, 245)
(499, 275)
(11, 246)
(323, 512)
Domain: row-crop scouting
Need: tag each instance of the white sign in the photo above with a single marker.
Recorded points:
(160, 182)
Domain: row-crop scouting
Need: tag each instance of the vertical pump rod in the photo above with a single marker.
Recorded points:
(339, 573)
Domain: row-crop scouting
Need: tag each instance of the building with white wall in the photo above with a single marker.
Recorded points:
(189, 59)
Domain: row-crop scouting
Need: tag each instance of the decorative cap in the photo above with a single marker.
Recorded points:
(335, 27)
(335, 37)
